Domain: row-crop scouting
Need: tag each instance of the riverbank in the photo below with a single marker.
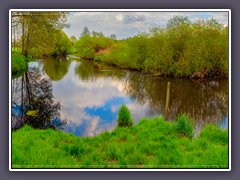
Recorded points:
(152, 143)
(186, 49)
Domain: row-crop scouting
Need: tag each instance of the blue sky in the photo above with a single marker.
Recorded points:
(126, 24)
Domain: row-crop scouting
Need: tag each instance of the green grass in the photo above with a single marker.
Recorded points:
(17, 49)
(152, 143)
(184, 126)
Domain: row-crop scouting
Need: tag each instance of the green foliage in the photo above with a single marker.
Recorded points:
(38, 30)
(91, 46)
(19, 63)
(73, 40)
(59, 44)
(178, 21)
(62, 44)
(85, 48)
(100, 58)
(183, 48)
(72, 50)
(85, 31)
(124, 117)
(57, 68)
(113, 36)
(119, 55)
(184, 126)
(152, 143)
(214, 134)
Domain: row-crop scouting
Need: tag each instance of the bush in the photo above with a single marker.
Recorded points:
(88, 47)
(183, 49)
(184, 126)
(119, 55)
(19, 63)
(72, 50)
(124, 117)
(100, 58)
(62, 44)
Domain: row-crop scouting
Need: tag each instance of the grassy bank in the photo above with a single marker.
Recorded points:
(183, 48)
(152, 143)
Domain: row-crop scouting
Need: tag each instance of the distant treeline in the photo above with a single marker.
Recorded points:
(182, 48)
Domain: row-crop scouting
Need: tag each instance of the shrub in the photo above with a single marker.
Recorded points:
(119, 55)
(88, 46)
(99, 58)
(72, 50)
(182, 49)
(19, 63)
(62, 44)
(124, 117)
(184, 126)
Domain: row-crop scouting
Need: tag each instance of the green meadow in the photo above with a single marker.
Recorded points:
(152, 143)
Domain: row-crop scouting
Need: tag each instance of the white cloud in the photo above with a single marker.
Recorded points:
(126, 24)
(84, 94)
(119, 17)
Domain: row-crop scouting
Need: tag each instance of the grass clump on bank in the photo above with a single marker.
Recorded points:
(184, 126)
(152, 143)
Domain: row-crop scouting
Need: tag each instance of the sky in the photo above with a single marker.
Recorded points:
(127, 24)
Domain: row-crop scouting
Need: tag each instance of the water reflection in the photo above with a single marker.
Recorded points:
(32, 101)
(90, 96)
(56, 69)
(204, 101)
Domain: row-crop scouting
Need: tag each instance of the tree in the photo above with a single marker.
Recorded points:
(73, 39)
(177, 21)
(113, 36)
(62, 43)
(97, 34)
(36, 30)
(85, 31)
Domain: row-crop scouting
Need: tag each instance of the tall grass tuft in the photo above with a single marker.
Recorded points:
(124, 117)
(184, 126)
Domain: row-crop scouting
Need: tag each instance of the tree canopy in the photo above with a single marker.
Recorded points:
(37, 30)
(85, 31)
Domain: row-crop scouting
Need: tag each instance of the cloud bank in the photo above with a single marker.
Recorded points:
(126, 24)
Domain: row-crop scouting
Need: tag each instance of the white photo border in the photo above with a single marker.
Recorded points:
(122, 10)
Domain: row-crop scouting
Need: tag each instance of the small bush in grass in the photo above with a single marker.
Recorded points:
(124, 117)
(99, 58)
(184, 126)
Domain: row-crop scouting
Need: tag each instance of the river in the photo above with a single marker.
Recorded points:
(87, 96)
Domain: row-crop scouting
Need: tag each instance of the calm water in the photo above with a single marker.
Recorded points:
(89, 97)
